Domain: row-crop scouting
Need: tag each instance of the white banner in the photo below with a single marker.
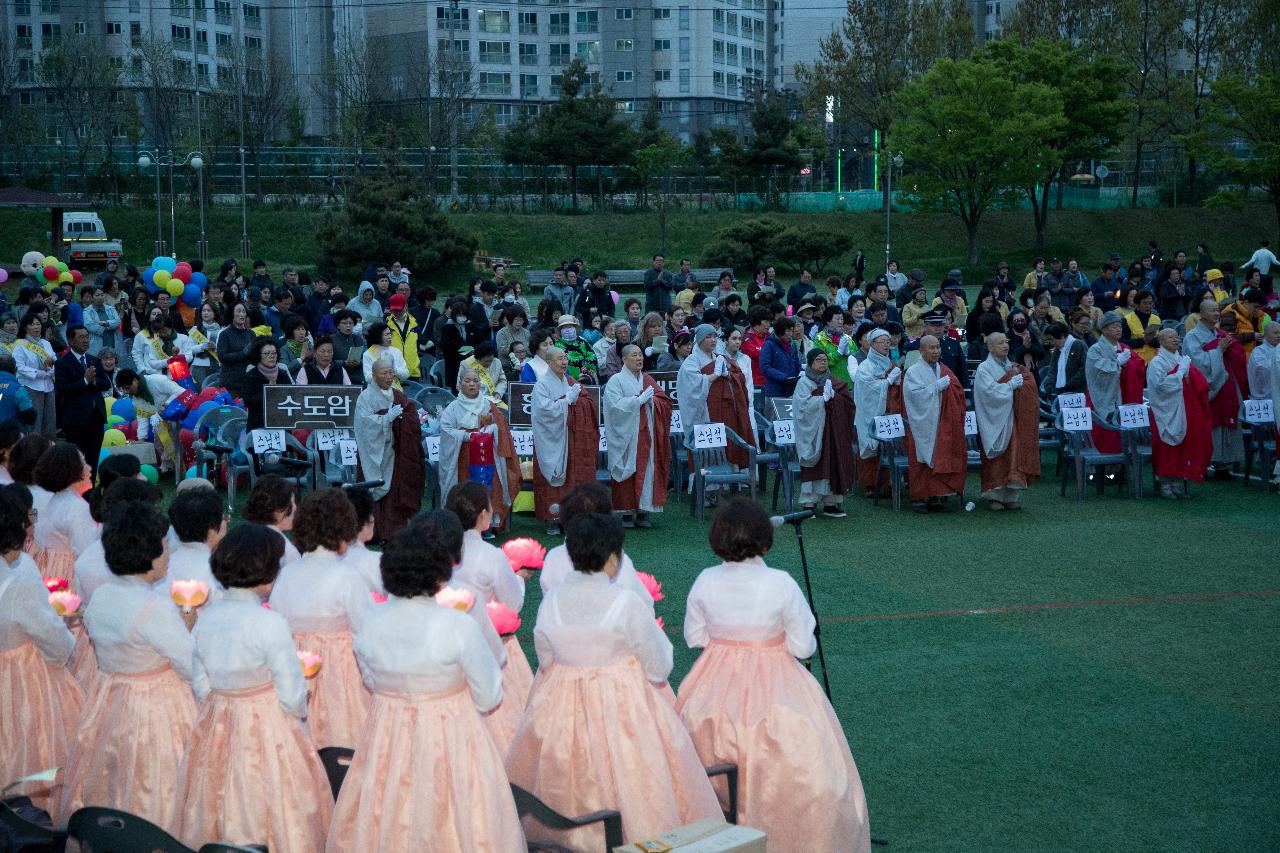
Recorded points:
(709, 436)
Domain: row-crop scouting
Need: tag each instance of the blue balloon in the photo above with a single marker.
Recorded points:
(191, 473)
(149, 276)
(191, 296)
(124, 408)
(200, 280)
(164, 263)
(102, 456)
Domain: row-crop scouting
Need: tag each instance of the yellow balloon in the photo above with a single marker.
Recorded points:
(161, 277)
(175, 287)
(109, 402)
(113, 438)
(49, 260)
(65, 278)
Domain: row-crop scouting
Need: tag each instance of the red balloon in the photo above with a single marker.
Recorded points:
(76, 276)
(182, 265)
(182, 275)
(302, 435)
(186, 436)
(51, 273)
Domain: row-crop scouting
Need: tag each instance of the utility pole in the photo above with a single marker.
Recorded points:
(453, 123)
(246, 250)
(202, 245)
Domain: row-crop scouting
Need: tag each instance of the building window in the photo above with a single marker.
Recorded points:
(26, 98)
(624, 76)
(203, 71)
(253, 44)
(684, 48)
(559, 54)
(717, 82)
(622, 14)
(558, 25)
(23, 39)
(717, 52)
(528, 54)
(731, 54)
(557, 83)
(662, 75)
(114, 28)
(222, 12)
(684, 18)
(731, 83)
(493, 22)
(589, 52)
(528, 23)
(222, 41)
(626, 106)
(684, 80)
(731, 24)
(528, 85)
(26, 70)
(461, 18)
(588, 22)
(495, 84)
(717, 20)
(662, 14)
(461, 48)
(624, 45)
(50, 7)
(50, 34)
(495, 52)
(80, 28)
(661, 44)
(504, 114)
(252, 16)
(202, 41)
(21, 8)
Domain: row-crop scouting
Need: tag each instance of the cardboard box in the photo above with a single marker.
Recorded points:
(705, 836)
(145, 451)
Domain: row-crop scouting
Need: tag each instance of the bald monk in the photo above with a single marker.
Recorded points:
(1008, 412)
(934, 403)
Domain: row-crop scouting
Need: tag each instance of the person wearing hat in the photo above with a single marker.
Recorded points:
(108, 273)
(711, 388)
(952, 297)
(937, 453)
(1112, 377)
(805, 316)
(1215, 286)
(937, 322)
(1007, 408)
(876, 380)
(582, 356)
(1181, 423)
(823, 413)
(1002, 284)
(902, 293)
(404, 334)
(913, 311)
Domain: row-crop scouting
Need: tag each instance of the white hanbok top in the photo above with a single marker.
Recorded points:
(189, 561)
(557, 567)
(367, 563)
(25, 613)
(748, 601)
(92, 571)
(239, 643)
(65, 523)
(486, 569)
(321, 592)
(413, 645)
(134, 628)
(291, 552)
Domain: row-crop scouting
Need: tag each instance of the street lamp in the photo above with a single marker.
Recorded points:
(145, 161)
(892, 162)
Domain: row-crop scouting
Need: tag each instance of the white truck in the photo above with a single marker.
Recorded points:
(85, 242)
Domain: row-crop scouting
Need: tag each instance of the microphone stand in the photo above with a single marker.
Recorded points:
(817, 623)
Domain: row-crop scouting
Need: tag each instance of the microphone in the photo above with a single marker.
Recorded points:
(363, 484)
(791, 518)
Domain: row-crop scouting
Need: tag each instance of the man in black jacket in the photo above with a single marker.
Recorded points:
(595, 301)
(1066, 364)
(936, 323)
(78, 382)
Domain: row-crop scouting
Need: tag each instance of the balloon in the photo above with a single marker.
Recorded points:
(185, 437)
(200, 280)
(124, 408)
(109, 402)
(112, 438)
(161, 276)
(174, 287)
(65, 278)
(152, 475)
(4, 275)
(50, 261)
(114, 420)
(191, 296)
(51, 272)
(62, 266)
(182, 265)
(191, 473)
(77, 276)
(102, 455)
(164, 263)
(130, 430)
(149, 276)
(182, 275)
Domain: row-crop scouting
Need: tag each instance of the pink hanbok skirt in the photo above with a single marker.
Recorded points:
(338, 706)
(39, 714)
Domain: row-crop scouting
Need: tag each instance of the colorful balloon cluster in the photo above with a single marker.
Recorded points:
(48, 271)
(177, 279)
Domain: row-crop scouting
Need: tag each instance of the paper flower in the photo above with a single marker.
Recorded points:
(456, 598)
(189, 593)
(378, 598)
(504, 619)
(310, 663)
(56, 584)
(524, 554)
(65, 603)
(651, 585)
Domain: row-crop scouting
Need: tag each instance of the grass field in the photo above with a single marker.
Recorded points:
(1133, 708)
(628, 240)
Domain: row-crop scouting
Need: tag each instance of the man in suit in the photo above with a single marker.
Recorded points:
(1066, 365)
(937, 322)
(79, 382)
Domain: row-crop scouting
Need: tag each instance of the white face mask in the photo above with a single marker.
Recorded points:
(508, 299)
(569, 334)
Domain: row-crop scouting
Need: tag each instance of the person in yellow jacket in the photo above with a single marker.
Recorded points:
(404, 334)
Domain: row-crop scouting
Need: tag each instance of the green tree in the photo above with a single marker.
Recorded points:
(654, 165)
(811, 248)
(1244, 110)
(971, 136)
(1091, 90)
(772, 150)
(386, 217)
(743, 245)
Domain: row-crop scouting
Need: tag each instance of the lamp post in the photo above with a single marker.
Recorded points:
(145, 160)
(890, 163)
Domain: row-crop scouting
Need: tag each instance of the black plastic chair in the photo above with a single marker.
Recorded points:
(1259, 445)
(730, 774)
(102, 830)
(527, 805)
(24, 836)
(336, 761)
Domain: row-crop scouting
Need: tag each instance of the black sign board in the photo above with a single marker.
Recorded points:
(781, 408)
(520, 402)
(309, 406)
(667, 379)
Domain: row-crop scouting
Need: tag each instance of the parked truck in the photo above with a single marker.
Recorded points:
(85, 242)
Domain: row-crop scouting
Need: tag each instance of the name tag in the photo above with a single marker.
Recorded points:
(523, 440)
(268, 441)
(433, 448)
(677, 426)
(1259, 412)
(347, 447)
(970, 423)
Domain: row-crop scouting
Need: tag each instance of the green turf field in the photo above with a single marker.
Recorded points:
(1137, 712)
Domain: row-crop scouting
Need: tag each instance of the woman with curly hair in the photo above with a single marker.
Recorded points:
(273, 502)
(65, 526)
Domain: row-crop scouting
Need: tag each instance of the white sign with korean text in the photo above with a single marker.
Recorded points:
(1077, 420)
(890, 426)
(327, 439)
(268, 440)
(350, 454)
(1071, 401)
(1259, 412)
(677, 426)
(1135, 416)
(523, 440)
(784, 432)
(970, 423)
(433, 448)
(709, 436)
(604, 445)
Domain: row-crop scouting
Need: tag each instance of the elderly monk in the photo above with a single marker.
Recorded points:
(1112, 376)
(822, 408)
(389, 441)
(1181, 423)
(937, 456)
(566, 438)
(1008, 412)
(712, 389)
(1264, 378)
(475, 412)
(876, 380)
(1213, 351)
(637, 429)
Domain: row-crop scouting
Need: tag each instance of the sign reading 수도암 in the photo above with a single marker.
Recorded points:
(1071, 401)
(520, 402)
(1135, 416)
(1077, 420)
(709, 436)
(309, 406)
(1259, 412)
(890, 426)
(970, 422)
(523, 440)
(784, 432)
(268, 441)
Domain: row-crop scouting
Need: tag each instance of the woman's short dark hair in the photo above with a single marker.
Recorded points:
(31, 316)
(123, 491)
(61, 466)
(830, 312)
(445, 527)
(467, 501)
(1054, 331)
(782, 325)
(195, 513)
(259, 344)
(291, 323)
(484, 349)
(248, 556)
(585, 498)
(345, 314)
(116, 467)
(133, 537)
(373, 333)
(414, 562)
(321, 340)
(15, 517)
(325, 519)
(591, 540)
(25, 455)
(362, 503)
(271, 496)
(510, 314)
(740, 530)
(546, 311)
(536, 337)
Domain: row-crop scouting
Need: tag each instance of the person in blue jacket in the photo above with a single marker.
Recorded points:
(779, 361)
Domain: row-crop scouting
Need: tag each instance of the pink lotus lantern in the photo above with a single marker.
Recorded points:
(54, 584)
(524, 553)
(456, 598)
(310, 662)
(651, 585)
(65, 603)
(660, 624)
(505, 620)
(378, 597)
(189, 594)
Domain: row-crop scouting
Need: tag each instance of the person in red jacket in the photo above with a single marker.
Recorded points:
(758, 320)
